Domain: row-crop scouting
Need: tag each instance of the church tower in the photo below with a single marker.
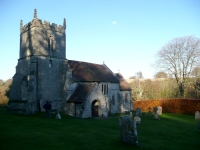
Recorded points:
(42, 67)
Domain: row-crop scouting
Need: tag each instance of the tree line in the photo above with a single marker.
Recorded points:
(4, 91)
(178, 63)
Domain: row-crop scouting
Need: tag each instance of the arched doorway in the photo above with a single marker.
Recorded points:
(95, 108)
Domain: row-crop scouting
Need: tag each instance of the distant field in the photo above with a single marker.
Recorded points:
(19, 132)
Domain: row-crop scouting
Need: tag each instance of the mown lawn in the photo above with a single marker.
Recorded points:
(35, 132)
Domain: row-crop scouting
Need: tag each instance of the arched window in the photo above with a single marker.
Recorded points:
(104, 89)
(126, 97)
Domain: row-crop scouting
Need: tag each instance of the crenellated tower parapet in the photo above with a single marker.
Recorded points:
(40, 38)
(44, 25)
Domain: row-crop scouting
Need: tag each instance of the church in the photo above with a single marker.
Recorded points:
(80, 89)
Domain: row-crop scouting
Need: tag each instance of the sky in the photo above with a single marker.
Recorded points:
(124, 34)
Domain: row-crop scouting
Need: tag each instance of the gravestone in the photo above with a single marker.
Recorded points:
(197, 115)
(137, 120)
(159, 110)
(128, 131)
(58, 116)
(131, 115)
(138, 112)
(155, 116)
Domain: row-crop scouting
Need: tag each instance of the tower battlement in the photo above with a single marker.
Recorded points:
(44, 25)
(42, 38)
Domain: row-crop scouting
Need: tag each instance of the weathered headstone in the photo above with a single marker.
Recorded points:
(131, 115)
(128, 131)
(155, 109)
(155, 116)
(58, 116)
(197, 115)
(138, 112)
(159, 110)
(137, 120)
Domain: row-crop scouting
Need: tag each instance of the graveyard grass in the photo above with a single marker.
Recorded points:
(31, 132)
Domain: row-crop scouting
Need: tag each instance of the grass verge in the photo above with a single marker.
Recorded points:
(19, 132)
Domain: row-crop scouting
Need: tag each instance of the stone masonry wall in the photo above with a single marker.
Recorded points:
(38, 40)
(95, 94)
(127, 105)
(113, 89)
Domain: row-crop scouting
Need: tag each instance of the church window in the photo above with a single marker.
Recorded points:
(104, 88)
(107, 88)
(126, 97)
(51, 45)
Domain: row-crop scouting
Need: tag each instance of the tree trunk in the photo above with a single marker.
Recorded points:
(181, 90)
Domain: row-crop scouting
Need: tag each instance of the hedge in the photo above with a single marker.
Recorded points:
(180, 106)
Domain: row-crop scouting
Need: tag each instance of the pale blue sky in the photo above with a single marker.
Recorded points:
(125, 34)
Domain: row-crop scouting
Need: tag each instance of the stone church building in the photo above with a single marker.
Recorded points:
(43, 73)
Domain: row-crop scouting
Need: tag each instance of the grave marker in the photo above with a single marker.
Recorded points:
(128, 131)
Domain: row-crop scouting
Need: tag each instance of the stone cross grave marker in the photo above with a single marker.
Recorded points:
(131, 115)
(156, 113)
(128, 131)
(138, 112)
(197, 115)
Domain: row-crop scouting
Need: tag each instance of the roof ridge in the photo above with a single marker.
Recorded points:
(110, 72)
(86, 62)
(73, 91)
(125, 80)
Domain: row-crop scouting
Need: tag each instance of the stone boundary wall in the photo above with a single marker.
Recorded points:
(180, 106)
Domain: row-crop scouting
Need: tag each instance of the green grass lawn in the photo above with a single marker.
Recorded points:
(35, 132)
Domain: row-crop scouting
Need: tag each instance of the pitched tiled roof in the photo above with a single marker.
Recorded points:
(124, 86)
(80, 93)
(89, 72)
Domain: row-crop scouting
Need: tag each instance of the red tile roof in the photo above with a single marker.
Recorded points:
(80, 93)
(124, 86)
(89, 72)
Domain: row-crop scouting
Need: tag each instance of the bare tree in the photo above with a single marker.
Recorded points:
(139, 75)
(196, 80)
(179, 57)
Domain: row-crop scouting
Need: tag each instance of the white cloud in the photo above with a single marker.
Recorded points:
(114, 23)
